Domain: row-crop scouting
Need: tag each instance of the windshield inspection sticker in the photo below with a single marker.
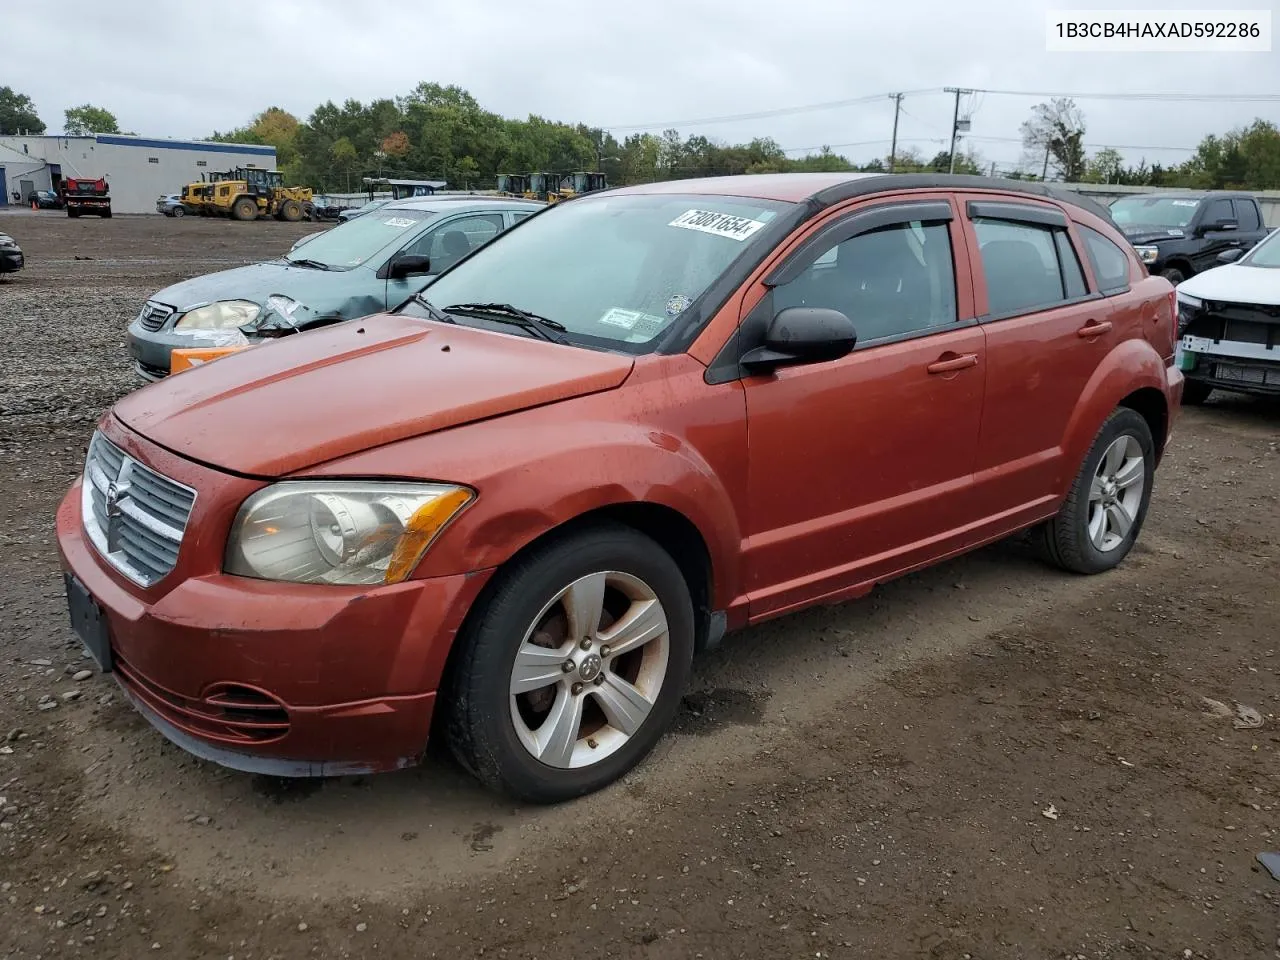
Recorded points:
(1185, 203)
(717, 224)
(400, 222)
(1176, 233)
(617, 317)
(677, 305)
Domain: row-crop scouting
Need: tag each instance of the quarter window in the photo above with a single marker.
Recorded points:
(1247, 214)
(1110, 265)
(890, 282)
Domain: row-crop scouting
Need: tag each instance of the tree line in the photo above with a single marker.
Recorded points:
(442, 133)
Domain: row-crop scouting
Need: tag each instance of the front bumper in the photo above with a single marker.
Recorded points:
(285, 679)
(11, 261)
(152, 350)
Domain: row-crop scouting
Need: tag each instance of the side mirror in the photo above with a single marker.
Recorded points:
(1219, 225)
(408, 265)
(1230, 256)
(799, 335)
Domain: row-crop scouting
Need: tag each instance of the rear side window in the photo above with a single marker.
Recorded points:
(1022, 266)
(1247, 214)
(1110, 265)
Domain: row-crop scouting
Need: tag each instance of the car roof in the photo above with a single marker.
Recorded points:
(825, 189)
(458, 201)
(1188, 194)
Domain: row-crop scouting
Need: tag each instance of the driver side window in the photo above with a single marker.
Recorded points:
(450, 242)
(890, 282)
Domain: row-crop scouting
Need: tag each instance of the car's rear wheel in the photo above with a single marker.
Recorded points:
(1107, 504)
(179, 211)
(574, 666)
(1195, 392)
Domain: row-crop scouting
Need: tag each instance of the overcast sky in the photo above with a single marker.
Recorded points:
(626, 64)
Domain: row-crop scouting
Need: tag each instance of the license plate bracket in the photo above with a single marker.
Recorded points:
(89, 622)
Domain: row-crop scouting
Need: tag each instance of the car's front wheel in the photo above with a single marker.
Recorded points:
(1100, 520)
(1195, 392)
(574, 666)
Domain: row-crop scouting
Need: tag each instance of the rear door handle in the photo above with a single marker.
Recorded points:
(953, 363)
(1094, 328)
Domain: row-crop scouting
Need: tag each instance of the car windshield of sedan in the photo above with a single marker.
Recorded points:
(611, 269)
(1154, 211)
(351, 244)
(1265, 254)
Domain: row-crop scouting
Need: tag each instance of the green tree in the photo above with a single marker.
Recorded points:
(345, 155)
(1106, 166)
(1056, 131)
(86, 119)
(18, 113)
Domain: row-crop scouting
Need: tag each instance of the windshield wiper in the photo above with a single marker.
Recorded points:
(313, 264)
(432, 310)
(545, 328)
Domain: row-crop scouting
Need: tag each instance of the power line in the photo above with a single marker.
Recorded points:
(863, 143)
(1165, 97)
(765, 114)
(1098, 146)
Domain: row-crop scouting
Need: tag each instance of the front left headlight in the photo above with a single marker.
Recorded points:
(1188, 307)
(223, 315)
(346, 532)
(1148, 253)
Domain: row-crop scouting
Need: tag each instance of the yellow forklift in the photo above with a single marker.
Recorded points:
(250, 193)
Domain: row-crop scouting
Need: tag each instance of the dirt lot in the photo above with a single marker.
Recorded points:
(988, 760)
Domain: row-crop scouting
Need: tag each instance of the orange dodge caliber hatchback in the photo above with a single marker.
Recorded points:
(520, 502)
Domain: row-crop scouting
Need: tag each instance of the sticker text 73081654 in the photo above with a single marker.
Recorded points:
(717, 224)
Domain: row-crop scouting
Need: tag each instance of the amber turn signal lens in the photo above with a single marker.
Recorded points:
(421, 529)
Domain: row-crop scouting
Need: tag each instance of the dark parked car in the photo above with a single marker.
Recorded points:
(1179, 234)
(44, 200)
(522, 500)
(11, 260)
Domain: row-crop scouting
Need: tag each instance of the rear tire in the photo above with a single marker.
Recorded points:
(244, 209)
(179, 211)
(537, 743)
(1195, 392)
(73, 214)
(1102, 516)
(106, 215)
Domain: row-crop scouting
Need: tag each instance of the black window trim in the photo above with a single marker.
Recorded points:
(1016, 213)
(725, 367)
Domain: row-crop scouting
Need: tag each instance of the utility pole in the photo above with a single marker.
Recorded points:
(893, 149)
(955, 123)
(1044, 174)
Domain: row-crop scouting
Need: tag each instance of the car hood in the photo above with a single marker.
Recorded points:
(1236, 283)
(292, 403)
(349, 293)
(1146, 233)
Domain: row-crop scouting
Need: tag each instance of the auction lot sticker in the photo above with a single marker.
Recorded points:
(717, 224)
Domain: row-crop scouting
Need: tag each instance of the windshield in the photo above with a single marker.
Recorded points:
(1265, 254)
(354, 242)
(608, 268)
(1154, 211)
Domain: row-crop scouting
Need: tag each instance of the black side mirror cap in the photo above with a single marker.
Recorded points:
(1219, 226)
(1230, 256)
(408, 265)
(799, 335)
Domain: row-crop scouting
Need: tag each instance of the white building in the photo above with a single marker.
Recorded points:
(138, 169)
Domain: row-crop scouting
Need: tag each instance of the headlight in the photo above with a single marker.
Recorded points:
(1188, 307)
(1148, 253)
(340, 531)
(224, 315)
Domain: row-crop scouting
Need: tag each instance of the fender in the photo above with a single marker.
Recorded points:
(1131, 366)
(538, 469)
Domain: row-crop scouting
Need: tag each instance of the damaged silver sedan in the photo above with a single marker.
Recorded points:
(368, 265)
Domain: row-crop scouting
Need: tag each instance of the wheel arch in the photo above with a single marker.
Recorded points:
(1153, 406)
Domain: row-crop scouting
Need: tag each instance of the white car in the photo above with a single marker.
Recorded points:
(1229, 324)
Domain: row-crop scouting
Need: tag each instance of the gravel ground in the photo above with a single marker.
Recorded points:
(990, 759)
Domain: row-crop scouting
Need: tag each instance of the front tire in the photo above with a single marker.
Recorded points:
(1173, 275)
(1103, 514)
(244, 209)
(574, 666)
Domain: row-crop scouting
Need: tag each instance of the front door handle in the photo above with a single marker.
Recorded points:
(1094, 328)
(953, 362)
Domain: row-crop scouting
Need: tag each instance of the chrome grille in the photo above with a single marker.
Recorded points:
(133, 515)
(154, 315)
